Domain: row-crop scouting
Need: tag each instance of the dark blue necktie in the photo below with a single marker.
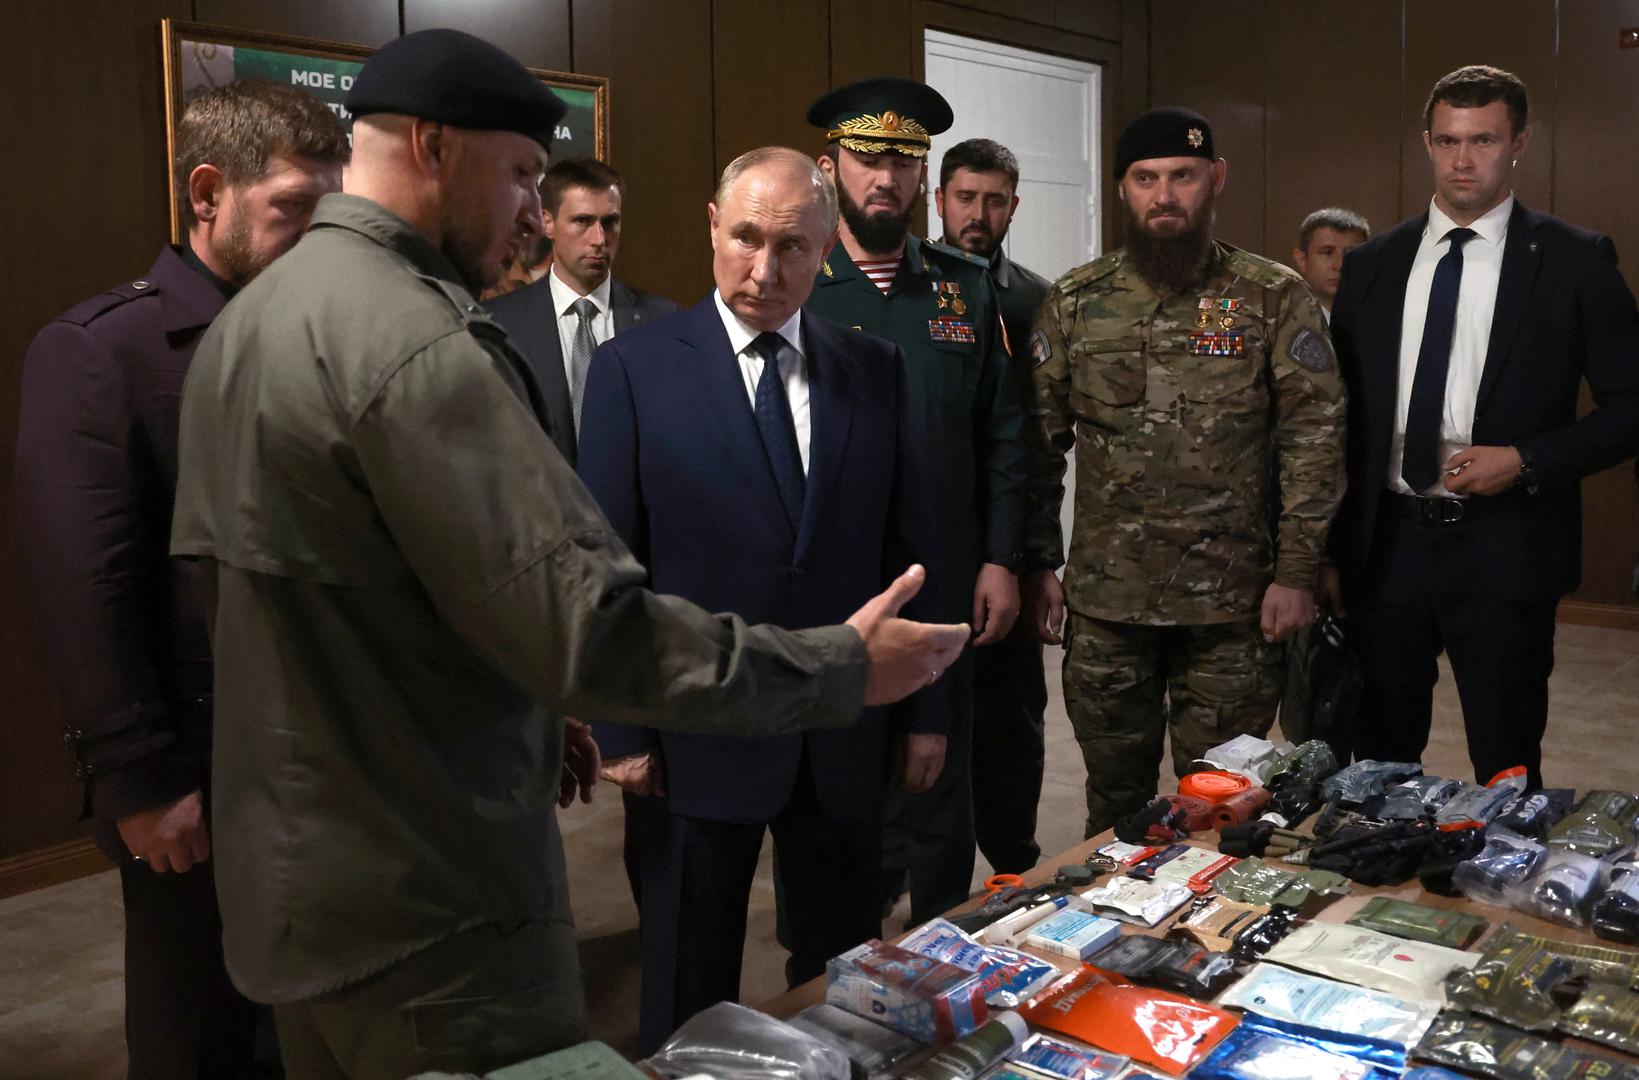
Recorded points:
(1420, 466)
(778, 429)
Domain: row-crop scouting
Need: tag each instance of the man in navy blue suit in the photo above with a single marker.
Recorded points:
(753, 457)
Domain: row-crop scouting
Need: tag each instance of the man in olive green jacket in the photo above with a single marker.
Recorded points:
(412, 587)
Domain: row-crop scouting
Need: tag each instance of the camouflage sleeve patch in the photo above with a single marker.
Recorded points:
(1311, 351)
(1041, 350)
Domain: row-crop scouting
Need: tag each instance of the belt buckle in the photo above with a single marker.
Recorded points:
(1436, 511)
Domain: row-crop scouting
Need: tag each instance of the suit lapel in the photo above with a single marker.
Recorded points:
(722, 392)
(830, 416)
(623, 302)
(544, 349)
(1520, 260)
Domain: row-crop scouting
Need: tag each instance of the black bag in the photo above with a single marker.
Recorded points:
(1323, 685)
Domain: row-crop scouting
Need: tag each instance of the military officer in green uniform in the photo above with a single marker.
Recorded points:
(412, 588)
(1189, 376)
(937, 304)
(976, 199)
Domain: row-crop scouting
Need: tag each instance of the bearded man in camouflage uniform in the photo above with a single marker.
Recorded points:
(1195, 381)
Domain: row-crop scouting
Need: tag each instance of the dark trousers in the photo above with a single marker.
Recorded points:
(183, 1018)
(928, 839)
(697, 877)
(1009, 748)
(480, 1000)
(1414, 607)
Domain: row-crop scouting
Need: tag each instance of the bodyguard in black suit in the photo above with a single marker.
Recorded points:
(1465, 334)
(124, 624)
(559, 321)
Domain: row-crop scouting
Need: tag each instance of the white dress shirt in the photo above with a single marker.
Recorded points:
(793, 367)
(1476, 304)
(563, 299)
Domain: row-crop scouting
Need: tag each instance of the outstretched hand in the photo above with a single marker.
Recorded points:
(903, 656)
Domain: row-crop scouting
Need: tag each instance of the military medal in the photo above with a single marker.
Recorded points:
(1227, 322)
(1203, 319)
(951, 331)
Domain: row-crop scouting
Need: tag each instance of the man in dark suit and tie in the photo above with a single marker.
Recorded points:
(1465, 334)
(754, 458)
(577, 305)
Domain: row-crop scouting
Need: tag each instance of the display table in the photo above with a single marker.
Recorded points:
(1335, 909)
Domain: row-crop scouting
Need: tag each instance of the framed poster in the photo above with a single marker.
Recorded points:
(198, 57)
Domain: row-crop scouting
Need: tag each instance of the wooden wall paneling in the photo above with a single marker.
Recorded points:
(84, 213)
(1095, 18)
(770, 61)
(1204, 55)
(1333, 123)
(1594, 128)
(873, 37)
(1517, 35)
(657, 56)
(537, 32)
(1134, 95)
(359, 22)
(1040, 12)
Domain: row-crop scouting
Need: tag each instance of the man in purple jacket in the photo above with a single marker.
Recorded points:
(123, 622)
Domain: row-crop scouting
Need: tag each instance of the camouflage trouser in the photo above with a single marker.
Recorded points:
(1126, 685)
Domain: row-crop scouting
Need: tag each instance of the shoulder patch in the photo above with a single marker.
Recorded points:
(1103, 266)
(956, 253)
(1311, 351)
(1041, 350)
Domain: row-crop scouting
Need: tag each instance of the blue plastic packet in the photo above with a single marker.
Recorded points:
(1010, 977)
(1431, 1072)
(1249, 1053)
(1360, 1047)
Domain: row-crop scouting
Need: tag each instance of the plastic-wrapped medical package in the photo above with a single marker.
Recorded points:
(1506, 860)
(1251, 1053)
(1562, 890)
(1512, 982)
(877, 1050)
(1605, 1013)
(1169, 963)
(731, 1042)
(1009, 976)
(1144, 903)
(1409, 969)
(1297, 998)
(1491, 1049)
(1166, 1030)
(1419, 922)
(924, 998)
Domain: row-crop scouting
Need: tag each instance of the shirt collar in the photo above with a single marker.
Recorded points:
(369, 218)
(740, 336)
(1492, 226)
(564, 294)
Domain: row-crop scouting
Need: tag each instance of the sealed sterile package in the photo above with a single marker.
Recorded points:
(1601, 824)
(1168, 963)
(731, 1042)
(1074, 932)
(1419, 922)
(1562, 890)
(1533, 814)
(1129, 854)
(1144, 903)
(1616, 913)
(1430, 1072)
(1249, 1053)
(1008, 976)
(1192, 867)
(1371, 1051)
(1356, 783)
(1435, 791)
(1599, 963)
(1410, 969)
(1605, 1013)
(1048, 1056)
(1263, 932)
(875, 1049)
(1252, 757)
(1294, 997)
(1506, 859)
(1306, 766)
(1491, 1049)
(1213, 921)
(1166, 1030)
(1254, 881)
(917, 995)
(1513, 982)
(1398, 803)
(1475, 805)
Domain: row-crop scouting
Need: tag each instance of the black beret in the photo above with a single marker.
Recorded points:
(455, 78)
(1162, 133)
(888, 113)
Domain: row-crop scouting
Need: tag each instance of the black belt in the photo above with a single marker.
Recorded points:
(1426, 510)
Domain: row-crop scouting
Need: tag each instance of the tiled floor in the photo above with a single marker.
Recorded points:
(60, 947)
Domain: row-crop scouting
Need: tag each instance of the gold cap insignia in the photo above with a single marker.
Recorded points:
(870, 134)
(1195, 138)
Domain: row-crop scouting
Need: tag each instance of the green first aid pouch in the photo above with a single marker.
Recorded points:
(1607, 1014)
(1514, 982)
(1253, 881)
(1419, 922)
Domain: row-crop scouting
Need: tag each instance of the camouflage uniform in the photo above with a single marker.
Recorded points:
(1182, 410)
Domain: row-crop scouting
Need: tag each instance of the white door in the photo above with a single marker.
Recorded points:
(1045, 109)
